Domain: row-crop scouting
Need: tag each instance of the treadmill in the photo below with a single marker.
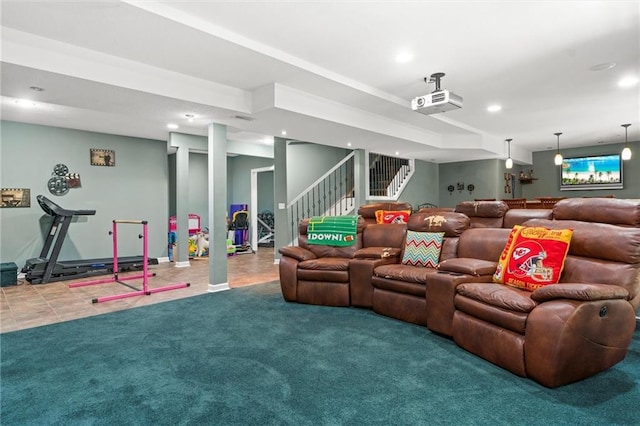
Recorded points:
(46, 268)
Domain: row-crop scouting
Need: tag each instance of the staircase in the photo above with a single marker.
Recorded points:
(330, 195)
(333, 193)
(387, 176)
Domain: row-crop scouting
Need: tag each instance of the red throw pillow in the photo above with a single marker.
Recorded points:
(533, 257)
(392, 216)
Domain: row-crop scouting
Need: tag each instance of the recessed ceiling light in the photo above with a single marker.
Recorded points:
(494, 108)
(172, 126)
(25, 103)
(190, 117)
(404, 57)
(348, 143)
(603, 66)
(629, 81)
(284, 133)
(36, 88)
(397, 152)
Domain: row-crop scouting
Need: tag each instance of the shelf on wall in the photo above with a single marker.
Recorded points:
(527, 180)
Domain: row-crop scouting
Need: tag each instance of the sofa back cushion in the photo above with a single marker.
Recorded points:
(483, 214)
(515, 217)
(483, 243)
(601, 253)
(452, 224)
(624, 212)
(391, 235)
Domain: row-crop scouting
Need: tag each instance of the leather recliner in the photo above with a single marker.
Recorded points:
(398, 289)
(562, 333)
(317, 274)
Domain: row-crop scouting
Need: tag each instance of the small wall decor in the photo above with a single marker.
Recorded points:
(57, 184)
(73, 180)
(451, 188)
(508, 178)
(103, 157)
(460, 186)
(16, 197)
(471, 187)
(61, 180)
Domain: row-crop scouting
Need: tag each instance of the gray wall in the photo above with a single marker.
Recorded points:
(548, 174)
(306, 162)
(423, 186)
(485, 175)
(136, 188)
(239, 180)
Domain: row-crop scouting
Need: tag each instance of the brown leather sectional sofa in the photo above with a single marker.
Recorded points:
(556, 335)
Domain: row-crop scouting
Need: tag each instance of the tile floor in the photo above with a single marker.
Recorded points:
(25, 305)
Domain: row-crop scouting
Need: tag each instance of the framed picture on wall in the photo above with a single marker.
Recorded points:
(15, 197)
(103, 157)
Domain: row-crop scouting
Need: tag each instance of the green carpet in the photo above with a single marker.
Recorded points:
(247, 357)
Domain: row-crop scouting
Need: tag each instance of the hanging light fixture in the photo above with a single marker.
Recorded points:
(509, 163)
(558, 158)
(626, 152)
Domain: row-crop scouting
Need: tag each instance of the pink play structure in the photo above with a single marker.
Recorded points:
(145, 291)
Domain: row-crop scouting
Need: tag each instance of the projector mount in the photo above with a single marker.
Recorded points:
(435, 78)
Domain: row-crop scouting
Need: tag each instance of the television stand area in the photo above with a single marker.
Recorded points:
(46, 268)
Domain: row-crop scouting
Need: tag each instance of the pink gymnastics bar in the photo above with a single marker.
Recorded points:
(145, 291)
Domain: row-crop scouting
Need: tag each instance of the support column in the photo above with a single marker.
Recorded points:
(181, 254)
(217, 166)
(359, 174)
(281, 217)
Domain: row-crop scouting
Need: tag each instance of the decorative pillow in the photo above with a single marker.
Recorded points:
(533, 257)
(392, 216)
(422, 248)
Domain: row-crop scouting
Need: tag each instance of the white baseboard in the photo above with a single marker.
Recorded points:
(213, 288)
(163, 259)
(184, 264)
(276, 261)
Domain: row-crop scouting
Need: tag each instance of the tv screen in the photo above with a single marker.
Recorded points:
(592, 172)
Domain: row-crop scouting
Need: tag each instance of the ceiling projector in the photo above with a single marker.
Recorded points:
(437, 101)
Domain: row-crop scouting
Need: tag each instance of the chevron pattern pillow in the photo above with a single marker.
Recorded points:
(422, 248)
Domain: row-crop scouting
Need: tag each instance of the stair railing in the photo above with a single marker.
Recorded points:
(330, 195)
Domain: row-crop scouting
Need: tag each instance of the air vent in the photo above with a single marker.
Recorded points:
(438, 97)
(244, 117)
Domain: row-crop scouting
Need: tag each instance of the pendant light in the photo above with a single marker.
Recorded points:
(509, 163)
(558, 158)
(626, 152)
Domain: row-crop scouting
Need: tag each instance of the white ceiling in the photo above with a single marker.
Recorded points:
(325, 71)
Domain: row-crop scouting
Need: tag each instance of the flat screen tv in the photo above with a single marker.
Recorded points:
(591, 172)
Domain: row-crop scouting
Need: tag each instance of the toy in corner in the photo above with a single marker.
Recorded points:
(239, 228)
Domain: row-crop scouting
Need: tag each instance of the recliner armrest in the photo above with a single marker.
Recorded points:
(466, 265)
(377, 253)
(298, 253)
(584, 292)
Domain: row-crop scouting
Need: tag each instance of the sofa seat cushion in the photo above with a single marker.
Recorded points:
(499, 296)
(510, 320)
(407, 273)
(330, 269)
